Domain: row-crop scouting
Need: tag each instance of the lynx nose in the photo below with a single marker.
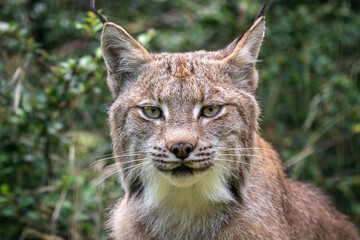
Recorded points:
(182, 149)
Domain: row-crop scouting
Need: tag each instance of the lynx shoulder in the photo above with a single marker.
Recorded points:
(185, 134)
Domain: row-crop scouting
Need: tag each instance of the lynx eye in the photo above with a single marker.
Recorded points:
(210, 111)
(152, 112)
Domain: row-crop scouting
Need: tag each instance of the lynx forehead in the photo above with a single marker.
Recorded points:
(185, 135)
(182, 71)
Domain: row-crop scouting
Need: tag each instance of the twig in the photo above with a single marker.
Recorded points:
(17, 95)
(35, 233)
(18, 77)
(57, 209)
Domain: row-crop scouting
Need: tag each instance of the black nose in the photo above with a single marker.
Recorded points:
(182, 149)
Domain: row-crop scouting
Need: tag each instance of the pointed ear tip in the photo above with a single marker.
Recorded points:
(258, 23)
(108, 25)
(111, 25)
(261, 19)
(112, 29)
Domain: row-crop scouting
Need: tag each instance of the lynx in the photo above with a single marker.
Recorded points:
(185, 135)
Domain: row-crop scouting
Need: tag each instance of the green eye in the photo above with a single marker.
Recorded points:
(210, 111)
(152, 112)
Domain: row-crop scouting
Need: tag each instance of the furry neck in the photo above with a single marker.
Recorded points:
(183, 212)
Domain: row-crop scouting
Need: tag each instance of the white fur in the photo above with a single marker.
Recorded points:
(189, 204)
(197, 109)
(165, 110)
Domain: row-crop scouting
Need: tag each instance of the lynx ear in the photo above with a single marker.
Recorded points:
(124, 57)
(241, 56)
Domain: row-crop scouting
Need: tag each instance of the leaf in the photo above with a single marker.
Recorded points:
(356, 128)
(5, 189)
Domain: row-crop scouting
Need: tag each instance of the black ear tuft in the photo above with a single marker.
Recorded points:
(262, 9)
(92, 9)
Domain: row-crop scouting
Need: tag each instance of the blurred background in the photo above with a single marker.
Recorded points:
(54, 100)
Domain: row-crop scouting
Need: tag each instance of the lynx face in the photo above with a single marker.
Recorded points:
(185, 120)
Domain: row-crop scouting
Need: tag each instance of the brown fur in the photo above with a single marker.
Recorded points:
(236, 188)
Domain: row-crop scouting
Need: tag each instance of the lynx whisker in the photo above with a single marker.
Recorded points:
(100, 156)
(152, 170)
(226, 169)
(121, 163)
(123, 152)
(114, 157)
(133, 167)
(240, 149)
(242, 155)
(241, 162)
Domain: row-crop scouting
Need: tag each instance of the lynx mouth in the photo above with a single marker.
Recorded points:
(184, 170)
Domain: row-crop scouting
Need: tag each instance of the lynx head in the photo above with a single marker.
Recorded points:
(183, 121)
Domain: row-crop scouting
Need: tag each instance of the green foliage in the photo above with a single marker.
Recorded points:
(54, 99)
(310, 96)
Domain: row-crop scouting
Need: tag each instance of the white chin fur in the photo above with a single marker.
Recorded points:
(208, 186)
(183, 181)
